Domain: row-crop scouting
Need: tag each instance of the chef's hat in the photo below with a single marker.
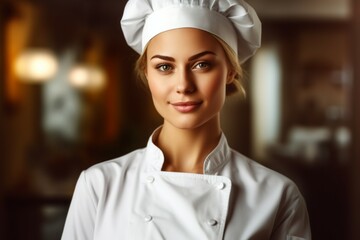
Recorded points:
(233, 21)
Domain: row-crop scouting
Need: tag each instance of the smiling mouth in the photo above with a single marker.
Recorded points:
(185, 107)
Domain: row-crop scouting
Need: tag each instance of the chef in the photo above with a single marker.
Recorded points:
(187, 183)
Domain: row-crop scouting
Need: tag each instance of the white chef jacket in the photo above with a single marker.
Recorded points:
(235, 199)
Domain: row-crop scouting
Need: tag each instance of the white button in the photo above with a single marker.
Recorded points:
(220, 186)
(212, 222)
(148, 218)
(150, 179)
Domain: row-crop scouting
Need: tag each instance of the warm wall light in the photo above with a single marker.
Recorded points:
(36, 65)
(266, 114)
(87, 77)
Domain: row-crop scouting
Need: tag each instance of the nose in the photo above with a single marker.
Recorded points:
(185, 84)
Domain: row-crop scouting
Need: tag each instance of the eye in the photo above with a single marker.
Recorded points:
(202, 65)
(164, 67)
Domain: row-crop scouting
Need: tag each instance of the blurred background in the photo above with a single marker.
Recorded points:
(69, 99)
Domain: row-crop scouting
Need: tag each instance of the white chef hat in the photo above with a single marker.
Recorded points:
(234, 21)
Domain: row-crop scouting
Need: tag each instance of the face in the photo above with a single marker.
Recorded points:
(187, 73)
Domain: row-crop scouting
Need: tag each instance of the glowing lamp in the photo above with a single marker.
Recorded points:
(36, 65)
(87, 77)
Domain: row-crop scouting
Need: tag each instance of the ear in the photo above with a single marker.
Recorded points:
(230, 77)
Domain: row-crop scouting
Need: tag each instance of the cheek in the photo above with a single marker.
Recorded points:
(216, 86)
(151, 82)
(154, 89)
(157, 89)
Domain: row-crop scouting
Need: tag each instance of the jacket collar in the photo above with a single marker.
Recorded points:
(213, 163)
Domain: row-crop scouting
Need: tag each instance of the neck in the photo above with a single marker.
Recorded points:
(186, 149)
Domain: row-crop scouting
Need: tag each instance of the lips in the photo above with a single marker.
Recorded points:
(185, 107)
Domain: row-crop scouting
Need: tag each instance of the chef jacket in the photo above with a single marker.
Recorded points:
(234, 199)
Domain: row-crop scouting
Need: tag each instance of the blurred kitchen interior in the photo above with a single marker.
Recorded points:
(69, 99)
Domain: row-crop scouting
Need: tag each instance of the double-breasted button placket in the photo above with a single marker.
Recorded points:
(192, 198)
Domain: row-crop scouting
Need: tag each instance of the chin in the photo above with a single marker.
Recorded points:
(191, 121)
(187, 124)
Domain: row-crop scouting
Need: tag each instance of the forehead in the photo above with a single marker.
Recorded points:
(183, 40)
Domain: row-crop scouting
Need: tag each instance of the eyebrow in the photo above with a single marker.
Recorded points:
(199, 55)
(196, 56)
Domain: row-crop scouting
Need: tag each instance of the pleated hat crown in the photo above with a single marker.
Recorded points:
(233, 21)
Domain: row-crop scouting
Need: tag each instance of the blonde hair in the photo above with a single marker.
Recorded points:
(234, 87)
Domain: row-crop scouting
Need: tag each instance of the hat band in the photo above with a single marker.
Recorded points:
(189, 17)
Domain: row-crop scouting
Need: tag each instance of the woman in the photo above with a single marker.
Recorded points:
(187, 183)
